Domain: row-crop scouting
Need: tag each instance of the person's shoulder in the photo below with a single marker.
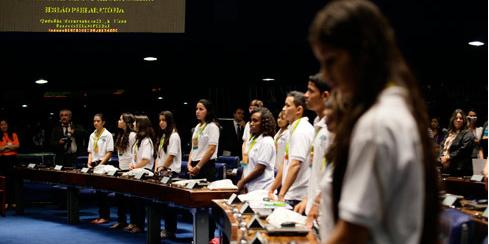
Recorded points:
(174, 135)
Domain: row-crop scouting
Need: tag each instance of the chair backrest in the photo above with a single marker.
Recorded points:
(456, 227)
(231, 162)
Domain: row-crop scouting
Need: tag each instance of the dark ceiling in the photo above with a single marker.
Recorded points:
(238, 43)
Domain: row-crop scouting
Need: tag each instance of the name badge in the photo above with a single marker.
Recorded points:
(85, 170)
(477, 178)
(139, 175)
(233, 199)
(58, 167)
(449, 201)
(191, 185)
(31, 166)
(165, 180)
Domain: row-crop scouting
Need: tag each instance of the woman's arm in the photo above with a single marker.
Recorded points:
(257, 171)
(276, 183)
(106, 158)
(89, 162)
(347, 233)
(205, 158)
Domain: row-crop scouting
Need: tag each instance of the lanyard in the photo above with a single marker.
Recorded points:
(253, 142)
(290, 136)
(162, 140)
(97, 137)
(325, 164)
(196, 138)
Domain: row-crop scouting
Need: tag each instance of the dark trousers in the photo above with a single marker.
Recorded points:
(170, 217)
(122, 204)
(208, 172)
(103, 204)
(138, 212)
(7, 169)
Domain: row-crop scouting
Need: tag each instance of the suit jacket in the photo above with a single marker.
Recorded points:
(461, 154)
(79, 134)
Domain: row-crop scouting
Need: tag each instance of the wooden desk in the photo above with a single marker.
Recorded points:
(463, 187)
(229, 226)
(199, 200)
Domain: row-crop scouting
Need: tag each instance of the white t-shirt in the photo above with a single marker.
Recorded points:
(207, 135)
(126, 157)
(319, 147)
(383, 187)
(174, 148)
(325, 218)
(246, 136)
(144, 151)
(104, 144)
(280, 142)
(300, 139)
(263, 152)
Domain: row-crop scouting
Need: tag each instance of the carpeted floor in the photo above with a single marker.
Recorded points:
(45, 222)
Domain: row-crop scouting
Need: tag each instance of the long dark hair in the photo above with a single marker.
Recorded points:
(268, 123)
(122, 140)
(145, 129)
(170, 127)
(451, 127)
(211, 113)
(359, 28)
(10, 133)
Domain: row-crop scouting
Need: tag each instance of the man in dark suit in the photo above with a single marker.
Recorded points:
(67, 139)
(232, 133)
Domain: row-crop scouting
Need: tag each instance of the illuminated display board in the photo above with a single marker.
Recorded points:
(98, 16)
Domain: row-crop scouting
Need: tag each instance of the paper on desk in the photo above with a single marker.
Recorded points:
(183, 183)
(134, 172)
(103, 169)
(225, 184)
(257, 195)
(282, 215)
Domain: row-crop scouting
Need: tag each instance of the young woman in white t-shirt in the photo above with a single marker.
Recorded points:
(126, 137)
(281, 139)
(100, 148)
(169, 157)
(384, 187)
(205, 142)
(258, 174)
(143, 157)
(255, 103)
(168, 146)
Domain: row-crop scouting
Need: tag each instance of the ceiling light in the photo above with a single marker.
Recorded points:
(51, 114)
(149, 59)
(268, 79)
(476, 43)
(41, 81)
(185, 103)
(24, 105)
(160, 98)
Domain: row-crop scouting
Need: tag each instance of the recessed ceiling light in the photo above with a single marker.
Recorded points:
(476, 43)
(51, 114)
(41, 81)
(268, 79)
(185, 103)
(160, 98)
(150, 59)
(24, 105)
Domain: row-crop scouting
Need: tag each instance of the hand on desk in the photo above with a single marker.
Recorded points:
(301, 207)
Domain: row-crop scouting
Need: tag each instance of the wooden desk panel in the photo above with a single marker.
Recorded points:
(230, 227)
(149, 188)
